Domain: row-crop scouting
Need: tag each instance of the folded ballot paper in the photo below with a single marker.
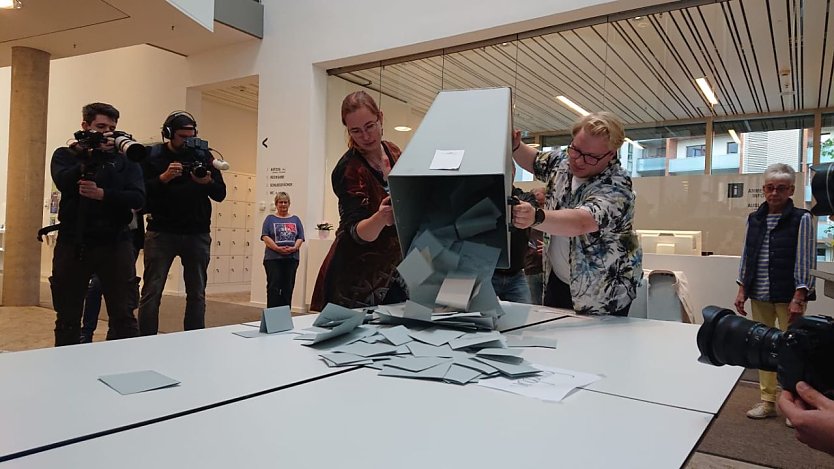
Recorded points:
(334, 321)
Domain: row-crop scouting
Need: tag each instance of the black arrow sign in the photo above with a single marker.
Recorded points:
(264, 143)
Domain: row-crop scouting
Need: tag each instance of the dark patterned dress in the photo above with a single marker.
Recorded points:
(357, 273)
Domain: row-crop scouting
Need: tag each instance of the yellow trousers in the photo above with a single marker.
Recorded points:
(769, 314)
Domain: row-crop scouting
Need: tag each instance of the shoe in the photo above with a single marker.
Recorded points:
(762, 410)
(788, 423)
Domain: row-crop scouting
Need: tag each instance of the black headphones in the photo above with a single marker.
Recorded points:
(168, 132)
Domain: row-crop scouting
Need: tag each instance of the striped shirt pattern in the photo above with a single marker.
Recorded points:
(805, 259)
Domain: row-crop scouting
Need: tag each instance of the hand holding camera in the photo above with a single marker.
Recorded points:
(90, 190)
(812, 414)
(802, 353)
(174, 170)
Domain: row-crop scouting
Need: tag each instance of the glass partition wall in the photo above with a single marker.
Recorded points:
(713, 89)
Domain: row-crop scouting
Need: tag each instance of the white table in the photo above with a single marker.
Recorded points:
(360, 420)
(654, 361)
(51, 396)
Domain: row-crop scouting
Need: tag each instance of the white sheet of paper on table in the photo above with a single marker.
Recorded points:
(553, 384)
(446, 159)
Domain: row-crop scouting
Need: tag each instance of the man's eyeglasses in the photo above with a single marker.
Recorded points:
(589, 158)
(367, 129)
(780, 188)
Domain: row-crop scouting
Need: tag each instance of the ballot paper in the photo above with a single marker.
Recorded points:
(552, 384)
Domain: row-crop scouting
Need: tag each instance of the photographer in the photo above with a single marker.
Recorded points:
(99, 188)
(180, 180)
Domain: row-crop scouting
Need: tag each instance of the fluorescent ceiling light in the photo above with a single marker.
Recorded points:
(567, 102)
(533, 145)
(733, 134)
(633, 143)
(705, 88)
(9, 4)
(402, 128)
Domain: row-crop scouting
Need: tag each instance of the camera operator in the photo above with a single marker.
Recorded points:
(99, 188)
(775, 268)
(180, 180)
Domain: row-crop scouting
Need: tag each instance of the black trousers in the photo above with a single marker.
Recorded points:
(558, 295)
(280, 281)
(115, 267)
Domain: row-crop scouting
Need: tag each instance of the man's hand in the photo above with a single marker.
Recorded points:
(516, 138)
(523, 215)
(90, 190)
(174, 170)
(109, 143)
(812, 414)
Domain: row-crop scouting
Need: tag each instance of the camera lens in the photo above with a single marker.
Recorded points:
(125, 145)
(199, 171)
(727, 339)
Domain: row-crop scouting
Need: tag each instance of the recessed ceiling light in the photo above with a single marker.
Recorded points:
(402, 128)
(9, 4)
(567, 102)
(707, 90)
(734, 135)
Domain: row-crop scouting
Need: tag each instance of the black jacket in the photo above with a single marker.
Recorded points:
(89, 221)
(181, 206)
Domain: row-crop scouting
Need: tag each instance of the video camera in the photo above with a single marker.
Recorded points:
(805, 352)
(196, 143)
(123, 141)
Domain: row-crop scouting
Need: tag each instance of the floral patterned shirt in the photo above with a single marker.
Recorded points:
(606, 265)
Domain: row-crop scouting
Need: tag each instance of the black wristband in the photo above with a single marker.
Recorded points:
(516, 147)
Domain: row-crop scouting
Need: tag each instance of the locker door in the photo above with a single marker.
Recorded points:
(248, 242)
(238, 215)
(250, 215)
(247, 269)
(221, 269)
(223, 242)
(237, 239)
(233, 187)
(236, 269)
(222, 218)
(250, 189)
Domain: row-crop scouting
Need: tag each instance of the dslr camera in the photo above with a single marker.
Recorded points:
(805, 352)
(197, 168)
(123, 141)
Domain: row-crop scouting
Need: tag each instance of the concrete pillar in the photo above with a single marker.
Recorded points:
(25, 176)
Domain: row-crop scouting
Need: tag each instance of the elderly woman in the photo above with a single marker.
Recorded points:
(361, 268)
(282, 234)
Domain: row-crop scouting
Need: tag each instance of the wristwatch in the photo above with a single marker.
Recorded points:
(539, 217)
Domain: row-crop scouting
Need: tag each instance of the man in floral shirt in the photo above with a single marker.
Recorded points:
(592, 259)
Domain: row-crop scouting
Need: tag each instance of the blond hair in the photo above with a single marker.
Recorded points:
(602, 124)
(281, 195)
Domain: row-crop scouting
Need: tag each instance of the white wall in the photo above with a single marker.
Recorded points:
(231, 130)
